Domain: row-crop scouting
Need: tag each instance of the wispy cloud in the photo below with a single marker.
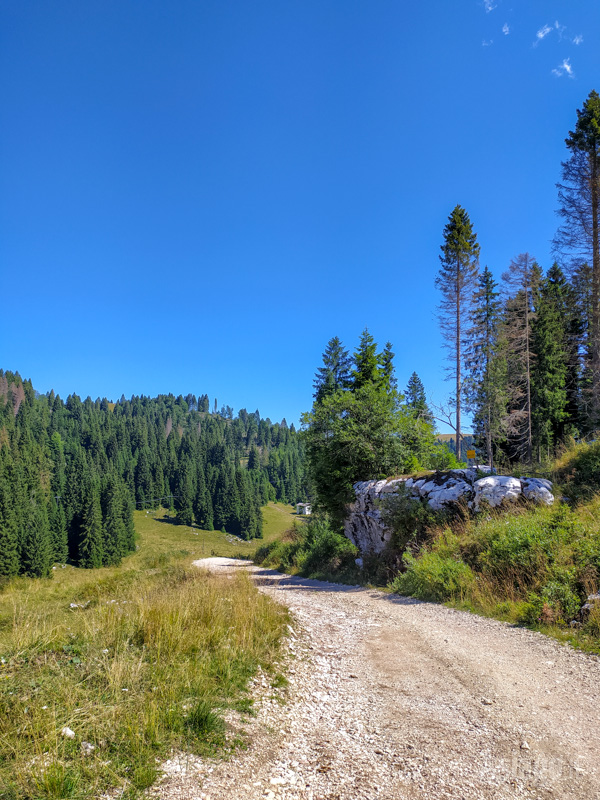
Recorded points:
(543, 32)
(577, 39)
(487, 43)
(505, 29)
(489, 5)
(564, 69)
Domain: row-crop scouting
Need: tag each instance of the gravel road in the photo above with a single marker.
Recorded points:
(391, 698)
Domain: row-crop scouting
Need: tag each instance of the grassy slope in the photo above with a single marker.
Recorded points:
(145, 665)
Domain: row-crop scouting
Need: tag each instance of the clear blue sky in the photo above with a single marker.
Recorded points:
(196, 195)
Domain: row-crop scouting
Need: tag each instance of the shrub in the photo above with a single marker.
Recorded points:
(561, 598)
(581, 472)
(409, 518)
(313, 549)
(433, 577)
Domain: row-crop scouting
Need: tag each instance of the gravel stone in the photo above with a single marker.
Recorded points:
(391, 698)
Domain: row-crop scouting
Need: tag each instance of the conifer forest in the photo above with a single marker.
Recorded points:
(71, 473)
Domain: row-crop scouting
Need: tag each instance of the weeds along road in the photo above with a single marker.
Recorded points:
(393, 698)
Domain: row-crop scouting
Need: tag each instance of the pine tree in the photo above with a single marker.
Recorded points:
(386, 367)
(550, 369)
(113, 526)
(91, 550)
(36, 553)
(416, 399)
(579, 234)
(58, 531)
(335, 372)
(486, 366)
(522, 280)
(456, 281)
(366, 370)
(9, 539)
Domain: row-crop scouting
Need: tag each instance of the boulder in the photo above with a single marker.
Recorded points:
(592, 602)
(537, 489)
(364, 525)
(496, 488)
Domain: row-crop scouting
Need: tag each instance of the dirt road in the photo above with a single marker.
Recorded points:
(391, 698)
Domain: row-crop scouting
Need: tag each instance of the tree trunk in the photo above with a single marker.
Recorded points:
(458, 355)
(528, 377)
(595, 326)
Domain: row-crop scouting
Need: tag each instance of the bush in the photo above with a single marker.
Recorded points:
(563, 601)
(312, 549)
(409, 518)
(433, 577)
(581, 472)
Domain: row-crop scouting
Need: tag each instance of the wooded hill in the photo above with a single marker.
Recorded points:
(72, 472)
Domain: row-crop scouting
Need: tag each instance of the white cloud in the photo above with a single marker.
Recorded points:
(578, 39)
(489, 5)
(543, 32)
(564, 69)
(487, 43)
(505, 29)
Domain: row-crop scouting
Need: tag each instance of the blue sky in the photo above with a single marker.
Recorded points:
(195, 196)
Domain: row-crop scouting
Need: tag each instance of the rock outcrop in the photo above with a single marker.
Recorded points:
(364, 525)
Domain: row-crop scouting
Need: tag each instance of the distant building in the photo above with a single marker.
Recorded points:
(303, 508)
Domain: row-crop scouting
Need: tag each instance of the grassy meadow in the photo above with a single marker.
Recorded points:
(103, 672)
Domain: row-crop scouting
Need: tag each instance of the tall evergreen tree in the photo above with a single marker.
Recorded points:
(335, 372)
(522, 280)
(486, 366)
(91, 549)
(366, 362)
(456, 281)
(36, 554)
(550, 369)
(579, 235)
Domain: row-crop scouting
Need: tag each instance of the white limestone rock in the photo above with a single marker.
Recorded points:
(537, 489)
(364, 524)
(496, 488)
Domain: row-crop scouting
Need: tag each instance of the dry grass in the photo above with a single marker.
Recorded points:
(144, 662)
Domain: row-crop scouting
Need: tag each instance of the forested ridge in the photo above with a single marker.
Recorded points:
(71, 473)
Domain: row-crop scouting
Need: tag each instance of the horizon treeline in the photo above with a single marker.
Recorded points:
(71, 473)
(525, 353)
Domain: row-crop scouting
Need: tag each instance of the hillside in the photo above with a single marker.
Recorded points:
(71, 473)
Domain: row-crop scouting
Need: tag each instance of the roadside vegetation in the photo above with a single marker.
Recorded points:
(103, 673)
(525, 564)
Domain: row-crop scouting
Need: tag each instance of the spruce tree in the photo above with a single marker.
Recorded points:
(366, 363)
(485, 388)
(456, 281)
(522, 281)
(579, 235)
(335, 372)
(91, 550)
(550, 369)
(9, 539)
(36, 553)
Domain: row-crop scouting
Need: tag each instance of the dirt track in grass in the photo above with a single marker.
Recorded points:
(391, 698)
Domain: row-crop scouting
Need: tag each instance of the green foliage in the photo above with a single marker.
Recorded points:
(409, 518)
(311, 549)
(361, 430)
(581, 471)
(204, 721)
(433, 577)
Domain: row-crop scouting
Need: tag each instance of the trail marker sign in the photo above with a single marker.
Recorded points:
(471, 454)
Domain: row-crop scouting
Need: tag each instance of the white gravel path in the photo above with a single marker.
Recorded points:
(390, 698)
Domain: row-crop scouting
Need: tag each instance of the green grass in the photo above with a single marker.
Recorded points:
(531, 566)
(146, 661)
